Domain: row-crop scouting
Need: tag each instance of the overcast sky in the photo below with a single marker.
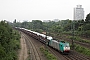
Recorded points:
(24, 10)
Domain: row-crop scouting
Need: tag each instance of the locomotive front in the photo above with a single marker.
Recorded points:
(66, 47)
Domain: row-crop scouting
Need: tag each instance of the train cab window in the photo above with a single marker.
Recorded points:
(67, 45)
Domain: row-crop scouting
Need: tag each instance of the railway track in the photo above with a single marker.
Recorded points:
(32, 55)
(83, 44)
(87, 45)
(77, 42)
(76, 56)
(71, 56)
(23, 52)
(33, 52)
(57, 54)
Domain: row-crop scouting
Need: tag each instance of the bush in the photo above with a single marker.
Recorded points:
(48, 54)
(82, 50)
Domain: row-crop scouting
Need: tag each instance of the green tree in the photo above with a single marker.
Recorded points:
(87, 18)
(86, 27)
(37, 24)
(8, 42)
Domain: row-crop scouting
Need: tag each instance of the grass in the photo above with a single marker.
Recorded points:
(48, 54)
(82, 50)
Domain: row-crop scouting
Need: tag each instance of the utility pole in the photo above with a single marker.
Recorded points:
(46, 38)
(73, 29)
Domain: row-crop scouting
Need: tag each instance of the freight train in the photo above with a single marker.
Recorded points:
(61, 46)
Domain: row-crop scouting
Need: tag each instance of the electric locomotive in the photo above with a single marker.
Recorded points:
(61, 46)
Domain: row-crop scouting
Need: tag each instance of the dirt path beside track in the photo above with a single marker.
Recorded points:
(23, 53)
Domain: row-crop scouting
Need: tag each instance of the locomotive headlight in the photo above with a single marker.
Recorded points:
(66, 48)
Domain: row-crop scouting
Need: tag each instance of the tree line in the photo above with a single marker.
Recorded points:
(9, 42)
(80, 27)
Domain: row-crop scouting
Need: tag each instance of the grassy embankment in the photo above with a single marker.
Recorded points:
(48, 54)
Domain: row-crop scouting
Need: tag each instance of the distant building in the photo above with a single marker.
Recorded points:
(56, 20)
(46, 20)
(79, 13)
